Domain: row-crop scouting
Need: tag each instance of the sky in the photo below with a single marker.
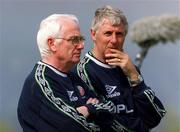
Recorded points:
(19, 23)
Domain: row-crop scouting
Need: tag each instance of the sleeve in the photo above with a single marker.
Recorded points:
(100, 112)
(147, 105)
(55, 109)
(148, 108)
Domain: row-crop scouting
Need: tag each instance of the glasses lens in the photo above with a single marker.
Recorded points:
(77, 39)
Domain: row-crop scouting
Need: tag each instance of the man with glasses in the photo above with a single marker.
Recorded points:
(110, 73)
(53, 100)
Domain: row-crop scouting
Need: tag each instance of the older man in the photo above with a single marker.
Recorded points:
(53, 100)
(110, 73)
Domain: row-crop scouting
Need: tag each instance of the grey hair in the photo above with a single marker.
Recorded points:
(51, 27)
(115, 16)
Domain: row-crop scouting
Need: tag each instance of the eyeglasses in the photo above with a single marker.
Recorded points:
(74, 39)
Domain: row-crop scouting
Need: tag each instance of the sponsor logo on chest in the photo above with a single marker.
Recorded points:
(111, 91)
(71, 96)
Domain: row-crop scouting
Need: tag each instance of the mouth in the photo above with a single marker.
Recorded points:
(77, 54)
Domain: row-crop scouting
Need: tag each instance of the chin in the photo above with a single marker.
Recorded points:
(76, 60)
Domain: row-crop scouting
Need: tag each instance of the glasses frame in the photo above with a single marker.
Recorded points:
(74, 39)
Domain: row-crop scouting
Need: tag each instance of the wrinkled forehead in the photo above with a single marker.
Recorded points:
(69, 28)
(107, 24)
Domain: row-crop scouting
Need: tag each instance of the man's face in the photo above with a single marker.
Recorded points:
(107, 37)
(69, 48)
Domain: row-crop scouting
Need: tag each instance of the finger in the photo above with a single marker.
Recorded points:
(89, 101)
(94, 101)
(113, 60)
(114, 64)
(97, 101)
(115, 55)
(116, 51)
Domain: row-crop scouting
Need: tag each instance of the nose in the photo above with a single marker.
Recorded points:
(80, 45)
(114, 39)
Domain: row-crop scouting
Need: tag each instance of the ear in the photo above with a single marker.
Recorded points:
(51, 44)
(93, 35)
